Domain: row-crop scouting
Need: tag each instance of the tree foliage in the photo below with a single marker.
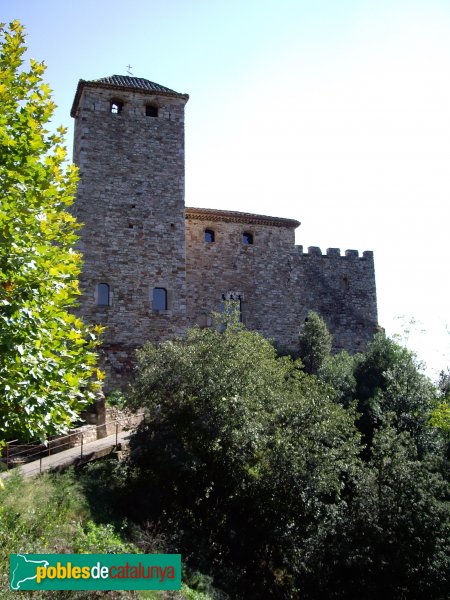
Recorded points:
(314, 342)
(46, 354)
(440, 416)
(258, 466)
(392, 541)
(389, 379)
(337, 370)
(243, 451)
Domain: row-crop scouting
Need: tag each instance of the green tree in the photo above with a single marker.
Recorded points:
(390, 379)
(393, 539)
(337, 370)
(440, 415)
(314, 342)
(444, 383)
(47, 356)
(243, 452)
(252, 462)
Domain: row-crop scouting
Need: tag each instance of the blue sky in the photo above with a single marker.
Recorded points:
(335, 113)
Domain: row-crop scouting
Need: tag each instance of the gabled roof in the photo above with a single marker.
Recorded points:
(125, 83)
(231, 216)
(135, 83)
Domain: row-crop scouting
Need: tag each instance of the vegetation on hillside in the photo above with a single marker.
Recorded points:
(51, 514)
(47, 356)
(283, 484)
(270, 481)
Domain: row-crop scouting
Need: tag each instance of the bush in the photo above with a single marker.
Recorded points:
(314, 342)
(49, 514)
(243, 454)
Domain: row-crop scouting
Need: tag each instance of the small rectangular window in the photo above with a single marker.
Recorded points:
(151, 111)
(209, 236)
(102, 294)
(116, 107)
(159, 299)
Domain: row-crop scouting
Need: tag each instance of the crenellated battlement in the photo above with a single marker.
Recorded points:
(334, 253)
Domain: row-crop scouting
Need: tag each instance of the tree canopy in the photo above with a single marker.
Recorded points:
(314, 342)
(47, 356)
(259, 466)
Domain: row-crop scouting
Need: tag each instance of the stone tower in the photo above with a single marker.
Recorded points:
(129, 147)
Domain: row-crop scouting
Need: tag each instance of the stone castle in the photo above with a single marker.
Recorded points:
(153, 267)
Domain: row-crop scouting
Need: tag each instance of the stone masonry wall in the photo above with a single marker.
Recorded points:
(257, 272)
(278, 283)
(131, 201)
(341, 289)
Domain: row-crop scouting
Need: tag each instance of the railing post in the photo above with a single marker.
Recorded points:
(40, 464)
(7, 455)
(81, 455)
(117, 431)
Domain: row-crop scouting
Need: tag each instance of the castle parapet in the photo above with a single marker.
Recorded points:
(340, 286)
(334, 253)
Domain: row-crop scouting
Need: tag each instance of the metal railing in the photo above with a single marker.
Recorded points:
(17, 453)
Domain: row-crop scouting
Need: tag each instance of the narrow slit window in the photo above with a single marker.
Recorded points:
(151, 110)
(103, 294)
(247, 237)
(159, 300)
(236, 304)
(209, 236)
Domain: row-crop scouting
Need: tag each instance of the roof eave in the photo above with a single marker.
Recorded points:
(99, 84)
(210, 214)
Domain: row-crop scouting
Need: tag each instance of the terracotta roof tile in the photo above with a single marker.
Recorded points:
(231, 216)
(127, 83)
(137, 83)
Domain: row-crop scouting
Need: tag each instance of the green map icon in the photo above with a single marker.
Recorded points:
(23, 569)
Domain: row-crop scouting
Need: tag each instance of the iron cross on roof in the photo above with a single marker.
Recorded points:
(129, 67)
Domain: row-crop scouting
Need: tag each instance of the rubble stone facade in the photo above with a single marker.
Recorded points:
(153, 267)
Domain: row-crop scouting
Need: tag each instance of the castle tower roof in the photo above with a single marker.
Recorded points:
(125, 83)
(232, 216)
